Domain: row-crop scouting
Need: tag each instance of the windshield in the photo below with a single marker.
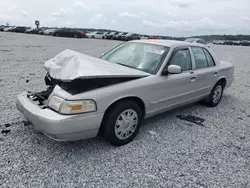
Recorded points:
(145, 57)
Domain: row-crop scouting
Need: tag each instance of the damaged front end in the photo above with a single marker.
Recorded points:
(75, 73)
(74, 87)
(41, 98)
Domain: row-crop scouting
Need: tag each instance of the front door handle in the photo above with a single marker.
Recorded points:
(215, 73)
(192, 78)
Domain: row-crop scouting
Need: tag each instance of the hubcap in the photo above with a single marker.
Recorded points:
(126, 124)
(217, 94)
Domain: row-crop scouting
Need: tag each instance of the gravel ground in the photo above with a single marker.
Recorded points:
(168, 152)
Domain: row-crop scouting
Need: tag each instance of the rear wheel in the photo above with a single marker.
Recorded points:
(75, 36)
(122, 123)
(215, 96)
(92, 37)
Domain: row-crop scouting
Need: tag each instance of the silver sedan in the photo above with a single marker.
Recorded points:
(112, 95)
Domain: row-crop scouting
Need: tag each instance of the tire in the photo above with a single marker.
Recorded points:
(215, 96)
(111, 131)
(92, 37)
(57, 34)
(75, 36)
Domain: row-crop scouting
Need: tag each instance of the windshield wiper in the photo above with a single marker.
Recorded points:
(132, 67)
(126, 65)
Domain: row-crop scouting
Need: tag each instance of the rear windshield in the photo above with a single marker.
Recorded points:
(190, 40)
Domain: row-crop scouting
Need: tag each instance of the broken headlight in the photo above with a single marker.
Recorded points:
(72, 107)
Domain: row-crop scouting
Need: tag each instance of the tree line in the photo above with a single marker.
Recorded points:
(211, 38)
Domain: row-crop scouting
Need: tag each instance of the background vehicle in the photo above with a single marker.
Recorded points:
(131, 36)
(106, 34)
(19, 29)
(228, 42)
(3, 27)
(153, 37)
(28, 31)
(220, 42)
(34, 31)
(244, 43)
(143, 37)
(41, 30)
(236, 42)
(48, 31)
(67, 32)
(110, 35)
(96, 34)
(115, 35)
(9, 29)
(197, 40)
(119, 36)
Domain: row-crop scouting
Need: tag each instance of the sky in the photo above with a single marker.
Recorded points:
(154, 17)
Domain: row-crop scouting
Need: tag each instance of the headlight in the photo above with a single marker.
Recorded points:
(72, 107)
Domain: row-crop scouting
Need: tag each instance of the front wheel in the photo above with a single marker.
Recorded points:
(122, 123)
(215, 96)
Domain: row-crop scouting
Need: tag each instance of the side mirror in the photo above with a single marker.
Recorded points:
(174, 69)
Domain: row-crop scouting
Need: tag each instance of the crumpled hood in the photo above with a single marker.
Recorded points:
(69, 65)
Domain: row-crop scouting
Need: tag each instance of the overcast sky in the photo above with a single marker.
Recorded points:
(162, 17)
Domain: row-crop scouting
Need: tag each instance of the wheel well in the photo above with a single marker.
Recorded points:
(137, 100)
(223, 82)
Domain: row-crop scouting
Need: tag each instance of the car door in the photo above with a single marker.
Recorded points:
(67, 32)
(62, 32)
(176, 89)
(205, 71)
(72, 33)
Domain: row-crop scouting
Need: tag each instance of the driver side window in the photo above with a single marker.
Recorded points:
(182, 58)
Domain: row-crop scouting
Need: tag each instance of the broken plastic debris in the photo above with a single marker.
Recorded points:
(192, 119)
(26, 123)
(7, 125)
(152, 132)
(6, 131)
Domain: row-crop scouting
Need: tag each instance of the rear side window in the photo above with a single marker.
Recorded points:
(209, 58)
(200, 57)
(201, 41)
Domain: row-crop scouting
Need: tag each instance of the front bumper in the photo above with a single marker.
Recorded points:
(229, 83)
(57, 126)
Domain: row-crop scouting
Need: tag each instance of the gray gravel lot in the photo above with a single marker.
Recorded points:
(180, 154)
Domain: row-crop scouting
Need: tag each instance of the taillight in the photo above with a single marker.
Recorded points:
(83, 34)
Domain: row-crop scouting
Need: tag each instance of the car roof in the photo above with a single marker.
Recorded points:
(168, 43)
